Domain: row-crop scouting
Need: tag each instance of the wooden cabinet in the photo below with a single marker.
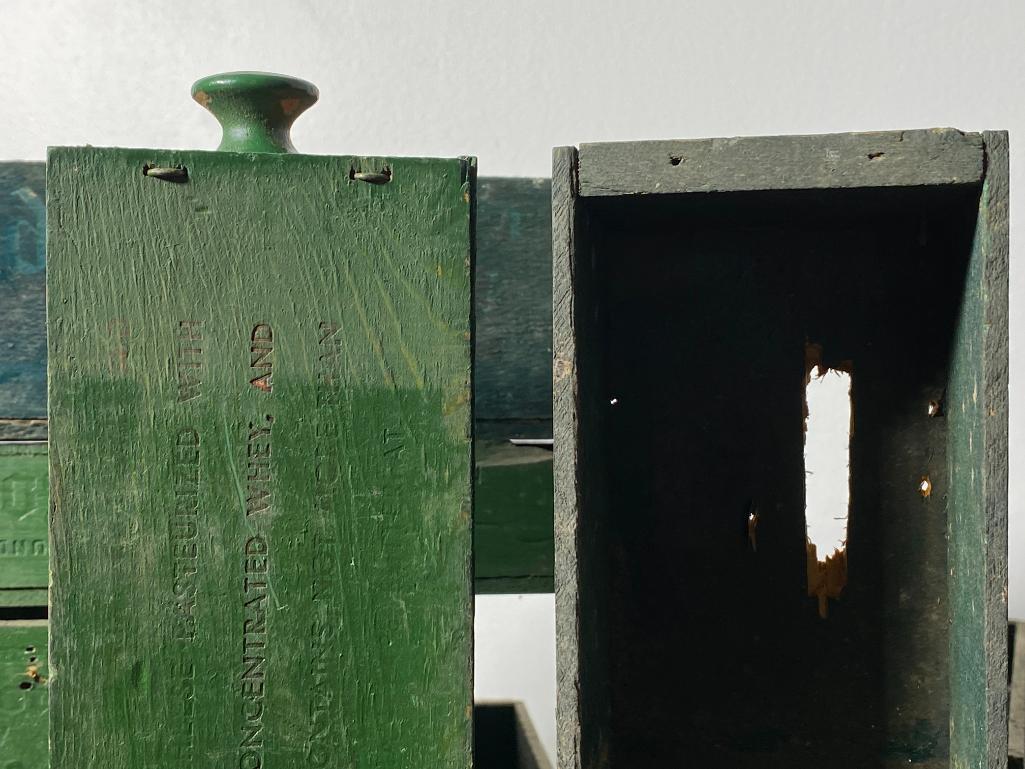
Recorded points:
(690, 280)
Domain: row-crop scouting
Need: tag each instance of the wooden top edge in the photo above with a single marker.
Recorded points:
(8, 164)
(29, 623)
(968, 136)
(921, 157)
(171, 152)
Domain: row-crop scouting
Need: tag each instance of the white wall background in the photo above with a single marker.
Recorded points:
(508, 80)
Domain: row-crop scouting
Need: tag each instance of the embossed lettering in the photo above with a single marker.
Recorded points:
(261, 350)
(255, 561)
(189, 359)
(258, 467)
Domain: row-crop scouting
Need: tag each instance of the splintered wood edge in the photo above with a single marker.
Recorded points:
(940, 156)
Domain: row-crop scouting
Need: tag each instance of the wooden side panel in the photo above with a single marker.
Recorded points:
(977, 407)
(583, 696)
(260, 461)
(23, 695)
(941, 156)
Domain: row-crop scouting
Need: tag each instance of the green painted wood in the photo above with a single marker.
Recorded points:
(680, 331)
(977, 459)
(22, 289)
(24, 550)
(939, 156)
(255, 109)
(260, 461)
(513, 550)
(23, 694)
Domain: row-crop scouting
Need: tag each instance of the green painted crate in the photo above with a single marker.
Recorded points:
(689, 279)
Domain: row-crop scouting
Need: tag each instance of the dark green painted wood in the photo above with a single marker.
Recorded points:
(513, 300)
(513, 537)
(513, 534)
(24, 551)
(23, 694)
(513, 550)
(680, 328)
(977, 459)
(260, 461)
(255, 109)
(22, 286)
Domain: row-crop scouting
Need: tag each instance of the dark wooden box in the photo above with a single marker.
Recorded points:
(689, 279)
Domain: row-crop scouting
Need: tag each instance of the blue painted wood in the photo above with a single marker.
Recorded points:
(22, 289)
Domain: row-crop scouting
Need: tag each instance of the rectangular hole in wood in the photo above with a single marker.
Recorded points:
(827, 450)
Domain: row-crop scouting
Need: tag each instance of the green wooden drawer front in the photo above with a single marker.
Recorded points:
(513, 541)
(23, 511)
(23, 695)
(260, 452)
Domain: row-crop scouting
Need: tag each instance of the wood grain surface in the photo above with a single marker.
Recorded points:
(260, 453)
(513, 540)
(977, 504)
(942, 156)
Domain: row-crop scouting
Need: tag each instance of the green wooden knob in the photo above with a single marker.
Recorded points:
(255, 109)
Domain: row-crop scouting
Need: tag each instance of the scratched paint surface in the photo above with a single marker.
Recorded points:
(260, 461)
(23, 680)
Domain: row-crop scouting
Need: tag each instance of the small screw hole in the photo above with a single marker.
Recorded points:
(30, 649)
(25, 685)
(675, 160)
(32, 659)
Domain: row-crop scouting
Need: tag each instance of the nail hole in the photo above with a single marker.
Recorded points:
(874, 155)
(30, 649)
(25, 685)
(925, 487)
(33, 659)
(675, 159)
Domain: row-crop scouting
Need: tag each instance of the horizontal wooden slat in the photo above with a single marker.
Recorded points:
(23, 510)
(939, 156)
